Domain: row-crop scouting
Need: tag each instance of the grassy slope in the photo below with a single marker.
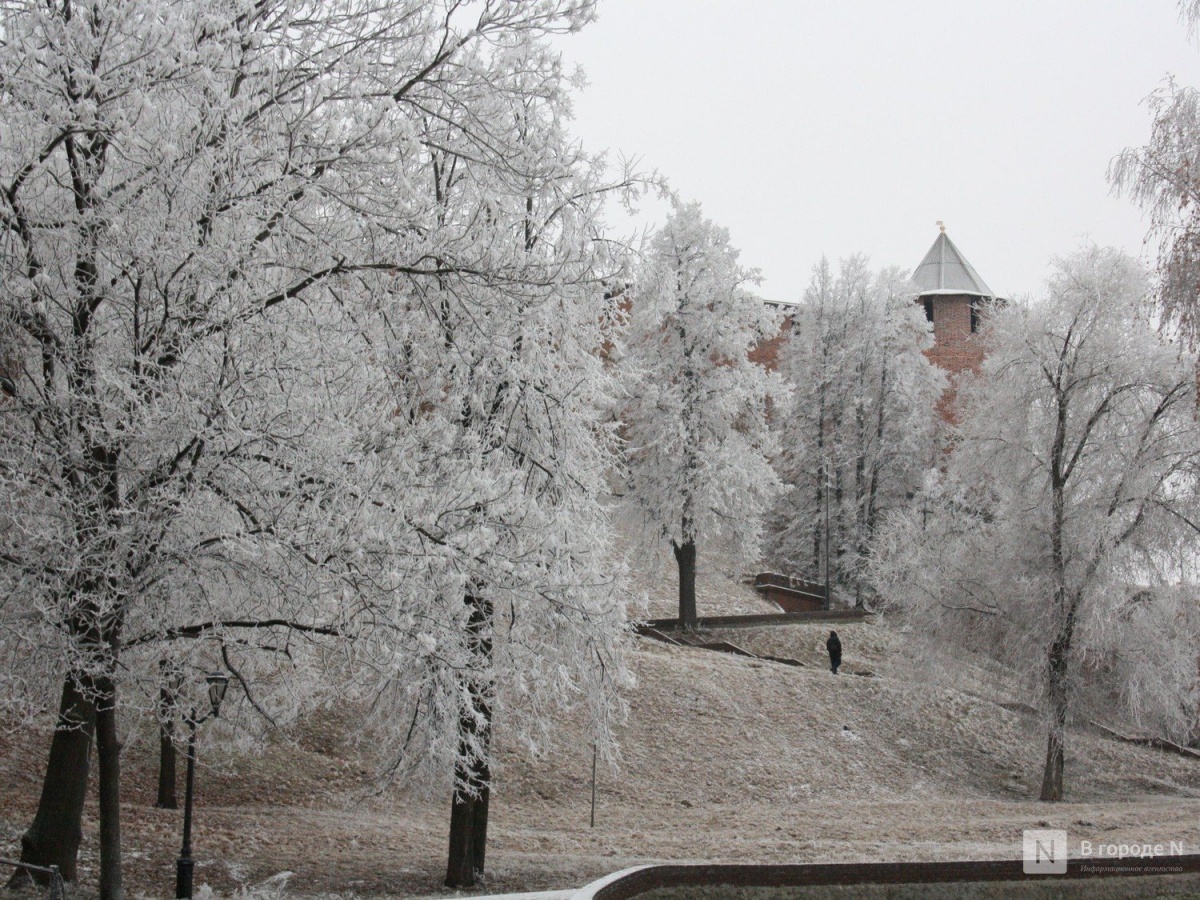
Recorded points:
(724, 758)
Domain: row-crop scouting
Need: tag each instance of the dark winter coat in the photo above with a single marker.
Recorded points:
(834, 646)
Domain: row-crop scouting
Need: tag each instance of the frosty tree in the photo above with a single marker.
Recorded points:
(293, 310)
(699, 446)
(1163, 177)
(501, 387)
(1071, 485)
(860, 434)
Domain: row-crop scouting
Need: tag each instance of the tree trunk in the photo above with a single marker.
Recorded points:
(1060, 647)
(108, 756)
(166, 749)
(460, 868)
(468, 828)
(685, 556)
(479, 825)
(167, 754)
(820, 535)
(839, 524)
(53, 837)
(1052, 776)
(469, 814)
(1065, 603)
(819, 530)
(468, 823)
(860, 493)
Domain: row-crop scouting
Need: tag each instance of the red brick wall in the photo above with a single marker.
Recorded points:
(620, 317)
(766, 354)
(956, 350)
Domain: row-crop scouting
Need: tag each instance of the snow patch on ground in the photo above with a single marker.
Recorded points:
(724, 759)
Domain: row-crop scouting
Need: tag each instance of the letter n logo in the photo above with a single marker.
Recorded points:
(1044, 851)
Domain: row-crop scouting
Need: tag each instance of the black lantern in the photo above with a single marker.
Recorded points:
(218, 683)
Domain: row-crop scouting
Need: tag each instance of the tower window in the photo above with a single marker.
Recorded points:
(974, 317)
(929, 310)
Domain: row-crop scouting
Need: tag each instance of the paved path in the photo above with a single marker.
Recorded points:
(535, 895)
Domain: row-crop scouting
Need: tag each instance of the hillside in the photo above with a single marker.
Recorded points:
(725, 758)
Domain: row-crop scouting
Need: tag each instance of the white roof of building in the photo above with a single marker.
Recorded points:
(944, 270)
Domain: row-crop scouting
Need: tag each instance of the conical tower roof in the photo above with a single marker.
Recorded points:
(944, 270)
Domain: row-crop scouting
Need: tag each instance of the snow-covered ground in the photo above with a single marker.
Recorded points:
(725, 758)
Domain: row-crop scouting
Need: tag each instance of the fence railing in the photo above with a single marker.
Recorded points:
(791, 593)
(58, 890)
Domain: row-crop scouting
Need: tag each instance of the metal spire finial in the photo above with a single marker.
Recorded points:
(941, 226)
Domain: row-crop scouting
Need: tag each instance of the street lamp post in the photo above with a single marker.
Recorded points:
(184, 866)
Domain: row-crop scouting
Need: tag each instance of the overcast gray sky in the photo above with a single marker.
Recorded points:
(811, 127)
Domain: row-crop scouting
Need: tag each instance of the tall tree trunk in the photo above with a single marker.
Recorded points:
(166, 752)
(469, 805)
(1065, 603)
(53, 837)
(460, 867)
(108, 756)
(479, 825)
(685, 556)
(839, 524)
(860, 490)
(818, 531)
(1052, 776)
(870, 518)
(468, 828)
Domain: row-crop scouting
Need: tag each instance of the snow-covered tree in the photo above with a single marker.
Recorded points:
(298, 302)
(1071, 487)
(860, 435)
(1163, 177)
(499, 376)
(699, 444)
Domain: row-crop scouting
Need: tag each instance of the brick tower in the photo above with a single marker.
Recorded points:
(956, 301)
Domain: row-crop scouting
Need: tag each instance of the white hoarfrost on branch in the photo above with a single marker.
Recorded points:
(699, 444)
(1054, 536)
(301, 304)
(1163, 178)
(861, 433)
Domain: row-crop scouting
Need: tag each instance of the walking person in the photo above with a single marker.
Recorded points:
(834, 646)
